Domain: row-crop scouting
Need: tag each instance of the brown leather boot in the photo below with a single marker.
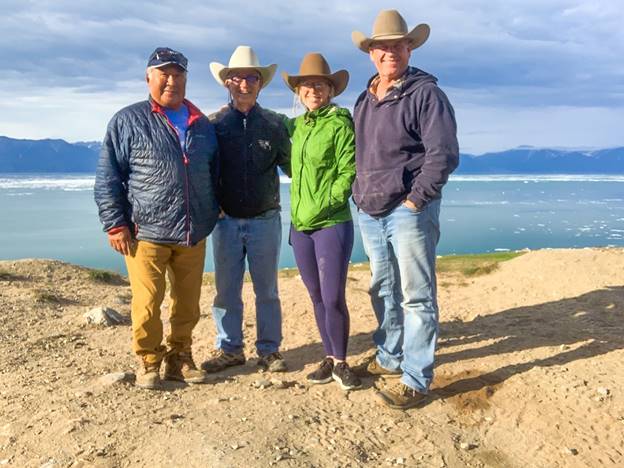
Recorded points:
(148, 376)
(179, 365)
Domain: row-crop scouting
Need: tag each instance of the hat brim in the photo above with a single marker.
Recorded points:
(220, 72)
(417, 37)
(164, 64)
(339, 80)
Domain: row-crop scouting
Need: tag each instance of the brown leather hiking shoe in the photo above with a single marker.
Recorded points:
(148, 376)
(374, 369)
(223, 360)
(400, 396)
(181, 367)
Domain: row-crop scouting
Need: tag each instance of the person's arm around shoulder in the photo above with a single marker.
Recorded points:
(438, 131)
(283, 145)
(110, 191)
(344, 146)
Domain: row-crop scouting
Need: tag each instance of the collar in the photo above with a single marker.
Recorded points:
(396, 84)
(194, 112)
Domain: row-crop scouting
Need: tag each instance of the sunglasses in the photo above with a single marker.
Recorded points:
(172, 56)
(250, 79)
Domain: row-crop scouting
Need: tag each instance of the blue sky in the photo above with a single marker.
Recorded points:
(534, 72)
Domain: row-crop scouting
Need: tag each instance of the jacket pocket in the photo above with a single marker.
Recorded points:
(377, 186)
(262, 155)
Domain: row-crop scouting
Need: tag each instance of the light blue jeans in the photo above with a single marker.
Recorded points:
(257, 239)
(401, 247)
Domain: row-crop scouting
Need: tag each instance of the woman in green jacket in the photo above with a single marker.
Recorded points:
(321, 234)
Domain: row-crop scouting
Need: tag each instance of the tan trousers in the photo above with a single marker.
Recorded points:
(147, 265)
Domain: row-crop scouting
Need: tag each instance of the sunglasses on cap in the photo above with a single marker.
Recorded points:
(165, 56)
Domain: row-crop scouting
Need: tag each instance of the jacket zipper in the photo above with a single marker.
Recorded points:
(303, 157)
(185, 161)
(246, 153)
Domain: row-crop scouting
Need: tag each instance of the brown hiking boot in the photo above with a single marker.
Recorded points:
(400, 396)
(374, 369)
(223, 360)
(180, 366)
(148, 376)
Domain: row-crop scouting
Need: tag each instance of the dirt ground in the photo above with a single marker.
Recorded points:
(529, 373)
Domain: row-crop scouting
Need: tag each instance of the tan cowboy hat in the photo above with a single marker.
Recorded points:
(390, 25)
(314, 64)
(242, 58)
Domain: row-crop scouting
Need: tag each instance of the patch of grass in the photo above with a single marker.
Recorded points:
(466, 265)
(5, 275)
(106, 277)
(209, 277)
(474, 265)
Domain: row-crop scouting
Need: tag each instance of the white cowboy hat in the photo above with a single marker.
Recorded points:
(390, 25)
(243, 57)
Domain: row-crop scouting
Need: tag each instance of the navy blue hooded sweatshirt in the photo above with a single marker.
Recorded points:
(405, 145)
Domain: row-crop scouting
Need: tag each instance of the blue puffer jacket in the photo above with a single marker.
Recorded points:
(146, 182)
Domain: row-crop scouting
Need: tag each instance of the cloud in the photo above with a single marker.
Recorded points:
(510, 59)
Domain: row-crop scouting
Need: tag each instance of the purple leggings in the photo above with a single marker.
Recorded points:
(323, 260)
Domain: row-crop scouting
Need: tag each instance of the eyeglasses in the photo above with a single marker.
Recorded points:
(250, 79)
(316, 85)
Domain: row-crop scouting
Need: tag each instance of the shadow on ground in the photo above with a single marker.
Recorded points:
(595, 319)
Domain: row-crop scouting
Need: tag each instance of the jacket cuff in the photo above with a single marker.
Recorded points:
(418, 202)
(116, 229)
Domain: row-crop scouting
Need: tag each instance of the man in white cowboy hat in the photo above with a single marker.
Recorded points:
(253, 142)
(406, 147)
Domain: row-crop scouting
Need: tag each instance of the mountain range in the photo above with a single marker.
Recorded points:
(42, 156)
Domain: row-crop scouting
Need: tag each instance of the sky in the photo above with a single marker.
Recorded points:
(518, 72)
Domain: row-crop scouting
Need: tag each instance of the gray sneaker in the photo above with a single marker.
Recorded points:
(273, 362)
(223, 360)
(323, 373)
(345, 377)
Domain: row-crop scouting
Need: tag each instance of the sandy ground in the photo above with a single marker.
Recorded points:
(529, 374)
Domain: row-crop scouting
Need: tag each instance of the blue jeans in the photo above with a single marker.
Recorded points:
(401, 247)
(257, 239)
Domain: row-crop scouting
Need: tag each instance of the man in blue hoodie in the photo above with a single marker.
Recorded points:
(406, 147)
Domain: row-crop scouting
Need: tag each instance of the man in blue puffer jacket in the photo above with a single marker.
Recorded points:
(154, 189)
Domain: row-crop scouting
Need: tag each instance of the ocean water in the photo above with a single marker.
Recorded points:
(54, 216)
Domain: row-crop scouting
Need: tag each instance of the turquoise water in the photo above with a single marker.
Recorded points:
(54, 216)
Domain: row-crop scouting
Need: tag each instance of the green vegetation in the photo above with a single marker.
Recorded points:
(106, 277)
(466, 265)
(474, 265)
(209, 278)
(5, 275)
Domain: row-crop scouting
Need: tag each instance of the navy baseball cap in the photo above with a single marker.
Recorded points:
(165, 56)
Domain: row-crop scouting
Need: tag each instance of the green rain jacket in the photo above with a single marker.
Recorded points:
(323, 167)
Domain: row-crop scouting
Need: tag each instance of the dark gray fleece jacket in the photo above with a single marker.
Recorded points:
(406, 144)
